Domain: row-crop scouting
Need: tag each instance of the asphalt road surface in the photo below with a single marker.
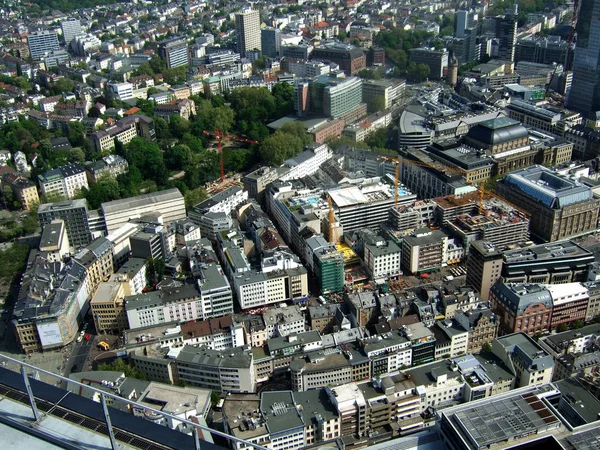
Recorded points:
(78, 358)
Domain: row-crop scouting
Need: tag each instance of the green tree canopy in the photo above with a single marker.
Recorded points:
(279, 147)
(252, 103)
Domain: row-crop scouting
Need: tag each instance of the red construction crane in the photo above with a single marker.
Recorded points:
(221, 136)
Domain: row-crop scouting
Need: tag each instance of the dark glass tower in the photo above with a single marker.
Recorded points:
(585, 90)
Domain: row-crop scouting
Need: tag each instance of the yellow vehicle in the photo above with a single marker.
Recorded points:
(103, 345)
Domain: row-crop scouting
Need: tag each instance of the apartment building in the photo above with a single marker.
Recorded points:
(97, 260)
(63, 182)
(125, 130)
(571, 341)
(283, 320)
(531, 364)
(222, 202)
(481, 324)
(282, 419)
(210, 296)
(388, 352)
(25, 191)
(320, 370)
(383, 260)
(307, 162)
(451, 339)
(109, 166)
(220, 333)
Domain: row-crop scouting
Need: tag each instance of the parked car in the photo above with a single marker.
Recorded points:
(79, 338)
(88, 337)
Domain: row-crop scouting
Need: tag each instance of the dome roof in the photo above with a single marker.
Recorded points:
(497, 131)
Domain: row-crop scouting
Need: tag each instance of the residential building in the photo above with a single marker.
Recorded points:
(221, 333)
(282, 419)
(25, 191)
(54, 242)
(307, 162)
(383, 260)
(41, 42)
(571, 342)
(110, 166)
(96, 258)
(184, 108)
(74, 213)
(125, 130)
(283, 320)
(585, 90)
(63, 182)
(450, 339)
(222, 202)
(559, 207)
(169, 204)
(481, 324)
(531, 364)
(256, 182)
(175, 52)
(133, 271)
(70, 28)
(247, 31)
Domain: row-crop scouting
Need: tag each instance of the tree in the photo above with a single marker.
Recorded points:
(31, 221)
(94, 112)
(121, 366)
(194, 196)
(62, 85)
(486, 348)
(577, 324)
(279, 147)
(159, 267)
(562, 328)
(252, 103)
(8, 196)
(162, 128)
(77, 155)
(76, 134)
(297, 129)
(178, 157)
(178, 126)
(150, 271)
(369, 74)
(377, 138)
(377, 103)
(148, 158)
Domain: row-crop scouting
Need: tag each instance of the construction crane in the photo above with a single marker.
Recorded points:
(397, 162)
(220, 136)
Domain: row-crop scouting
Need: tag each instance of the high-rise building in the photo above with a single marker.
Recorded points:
(175, 52)
(42, 42)
(435, 59)
(70, 29)
(484, 265)
(75, 215)
(247, 31)
(506, 31)
(270, 40)
(585, 90)
(462, 22)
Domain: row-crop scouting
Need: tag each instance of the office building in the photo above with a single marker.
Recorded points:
(585, 90)
(349, 58)
(74, 213)
(462, 23)
(63, 182)
(423, 250)
(484, 266)
(383, 260)
(54, 242)
(330, 95)
(564, 262)
(559, 207)
(506, 32)
(388, 91)
(169, 204)
(42, 42)
(175, 52)
(125, 130)
(256, 182)
(247, 31)
(230, 370)
(70, 29)
(546, 50)
(108, 306)
(270, 39)
(436, 60)
(521, 307)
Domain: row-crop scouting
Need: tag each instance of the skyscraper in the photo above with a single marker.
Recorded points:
(70, 29)
(247, 31)
(41, 42)
(270, 39)
(585, 90)
(506, 32)
(175, 52)
(462, 23)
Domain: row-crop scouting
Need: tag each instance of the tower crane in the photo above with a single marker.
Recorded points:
(220, 136)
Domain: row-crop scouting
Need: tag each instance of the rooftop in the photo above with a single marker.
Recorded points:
(546, 186)
(547, 252)
(141, 201)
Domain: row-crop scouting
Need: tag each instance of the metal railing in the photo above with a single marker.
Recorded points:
(104, 395)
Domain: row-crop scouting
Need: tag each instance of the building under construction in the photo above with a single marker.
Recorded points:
(472, 217)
